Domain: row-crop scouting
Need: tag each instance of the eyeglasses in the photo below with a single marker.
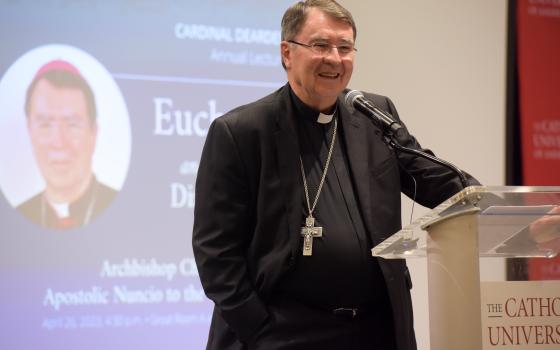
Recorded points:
(323, 48)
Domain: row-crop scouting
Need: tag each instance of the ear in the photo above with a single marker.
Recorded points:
(285, 54)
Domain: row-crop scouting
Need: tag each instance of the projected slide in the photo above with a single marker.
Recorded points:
(104, 108)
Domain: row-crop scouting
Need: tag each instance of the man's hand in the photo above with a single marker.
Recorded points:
(546, 230)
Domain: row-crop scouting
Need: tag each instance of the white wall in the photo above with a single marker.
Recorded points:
(443, 64)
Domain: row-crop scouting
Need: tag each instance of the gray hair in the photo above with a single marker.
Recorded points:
(295, 16)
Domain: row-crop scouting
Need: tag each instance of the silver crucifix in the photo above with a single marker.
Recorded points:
(309, 232)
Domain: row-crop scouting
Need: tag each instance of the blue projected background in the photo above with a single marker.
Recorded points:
(161, 72)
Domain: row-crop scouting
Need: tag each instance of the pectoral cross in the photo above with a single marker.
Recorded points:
(309, 232)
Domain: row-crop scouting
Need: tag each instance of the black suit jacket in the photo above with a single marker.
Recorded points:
(248, 209)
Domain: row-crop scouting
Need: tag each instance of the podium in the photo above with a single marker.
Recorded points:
(494, 223)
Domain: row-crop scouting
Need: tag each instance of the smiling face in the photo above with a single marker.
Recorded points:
(318, 79)
(63, 138)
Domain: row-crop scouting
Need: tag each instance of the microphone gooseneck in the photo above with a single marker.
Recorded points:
(392, 130)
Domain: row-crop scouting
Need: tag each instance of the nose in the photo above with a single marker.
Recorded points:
(59, 135)
(332, 56)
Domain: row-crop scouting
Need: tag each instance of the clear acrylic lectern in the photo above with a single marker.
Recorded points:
(478, 222)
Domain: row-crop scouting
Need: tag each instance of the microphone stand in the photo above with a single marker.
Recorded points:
(391, 140)
(354, 99)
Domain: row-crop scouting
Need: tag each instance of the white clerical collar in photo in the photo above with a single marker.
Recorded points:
(62, 209)
(325, 118)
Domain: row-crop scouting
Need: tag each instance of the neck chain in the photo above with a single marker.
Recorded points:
(309, 231)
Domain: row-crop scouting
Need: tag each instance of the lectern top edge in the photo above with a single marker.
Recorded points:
(504, 214)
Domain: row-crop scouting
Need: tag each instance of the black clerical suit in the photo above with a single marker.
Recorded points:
(248, 214)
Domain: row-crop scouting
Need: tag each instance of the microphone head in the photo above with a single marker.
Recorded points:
(350, 97)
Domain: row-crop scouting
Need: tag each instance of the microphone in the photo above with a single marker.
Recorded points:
(355, 99)
(392, 130)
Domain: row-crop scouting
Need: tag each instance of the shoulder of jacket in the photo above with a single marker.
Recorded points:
(254, 114)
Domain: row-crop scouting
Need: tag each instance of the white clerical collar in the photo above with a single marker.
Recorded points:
(62, 209)
(325, 118)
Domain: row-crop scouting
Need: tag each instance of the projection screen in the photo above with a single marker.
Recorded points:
(118, 271)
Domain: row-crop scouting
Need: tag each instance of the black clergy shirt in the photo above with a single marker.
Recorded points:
(341, 272)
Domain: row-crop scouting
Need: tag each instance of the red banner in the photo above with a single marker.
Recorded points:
(538, 45)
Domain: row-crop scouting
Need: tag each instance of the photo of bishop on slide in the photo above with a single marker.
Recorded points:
(61, 118)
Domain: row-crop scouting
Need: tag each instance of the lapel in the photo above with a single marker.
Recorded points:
(287, 154)
(358, 150)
